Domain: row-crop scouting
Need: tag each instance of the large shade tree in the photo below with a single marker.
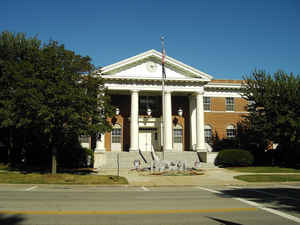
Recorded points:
(49, 90)
(275, 110)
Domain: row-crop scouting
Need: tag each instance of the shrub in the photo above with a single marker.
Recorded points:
(234, 157)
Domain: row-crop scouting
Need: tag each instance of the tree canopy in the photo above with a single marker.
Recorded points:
(50, 89)
(274, 110)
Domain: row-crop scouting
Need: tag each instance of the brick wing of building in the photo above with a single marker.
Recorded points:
(177, 126)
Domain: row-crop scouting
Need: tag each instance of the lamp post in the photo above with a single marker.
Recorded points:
(149, 111)
(180, 112)
(117, 111)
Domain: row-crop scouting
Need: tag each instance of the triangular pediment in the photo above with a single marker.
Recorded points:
(148, 65)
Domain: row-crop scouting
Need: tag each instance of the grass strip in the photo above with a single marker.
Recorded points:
(269, 178)
(37, 178)
(264, 169)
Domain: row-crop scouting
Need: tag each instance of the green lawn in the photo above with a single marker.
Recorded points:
(264, 169)
(3, 166)
(61, 178)
(269, 178)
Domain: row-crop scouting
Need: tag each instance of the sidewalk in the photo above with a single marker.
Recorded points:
(211, 176)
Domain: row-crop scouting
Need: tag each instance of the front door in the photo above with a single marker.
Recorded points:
(148, 139)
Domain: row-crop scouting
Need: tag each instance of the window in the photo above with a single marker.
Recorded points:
(206, 102)
(229, 104)
(116, 134)
(207, 133)
(230, 131)
(177, 134)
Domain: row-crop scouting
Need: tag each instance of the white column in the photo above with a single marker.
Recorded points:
(100, 144)
(99, 153)
(134, 121)
(200, 140)
(193, 135)
(168, 129)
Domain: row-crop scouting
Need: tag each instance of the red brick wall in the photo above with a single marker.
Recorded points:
(218, 118)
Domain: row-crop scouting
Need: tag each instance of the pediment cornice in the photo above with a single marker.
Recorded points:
(155, 56)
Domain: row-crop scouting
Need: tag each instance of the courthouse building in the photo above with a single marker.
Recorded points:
(174, 119)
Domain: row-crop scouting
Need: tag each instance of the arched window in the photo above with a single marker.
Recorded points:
(116, 134)
(230, 131)
(207, 133)
(177, 134)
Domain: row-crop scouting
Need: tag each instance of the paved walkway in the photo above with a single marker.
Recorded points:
(211, 176)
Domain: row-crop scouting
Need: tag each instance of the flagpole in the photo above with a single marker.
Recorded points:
(163, 93)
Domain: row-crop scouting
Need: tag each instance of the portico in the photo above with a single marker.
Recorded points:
(140, 76)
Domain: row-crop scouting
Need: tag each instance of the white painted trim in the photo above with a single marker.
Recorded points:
(224, 94)
(151, 87)
(158, 55)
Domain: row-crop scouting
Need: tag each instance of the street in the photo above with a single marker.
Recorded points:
(91, 205)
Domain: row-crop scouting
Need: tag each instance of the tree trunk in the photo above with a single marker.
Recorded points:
(54, 165)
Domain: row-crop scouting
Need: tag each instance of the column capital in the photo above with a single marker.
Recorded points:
(134, 91)
(199, 92)
(167, 91)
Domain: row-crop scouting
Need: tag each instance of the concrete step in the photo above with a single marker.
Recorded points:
(126, 159)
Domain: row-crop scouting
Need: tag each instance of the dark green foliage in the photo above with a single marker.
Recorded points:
(48, 92)
(234, 157)
(74, 157)
(225, 143)
(275, 113)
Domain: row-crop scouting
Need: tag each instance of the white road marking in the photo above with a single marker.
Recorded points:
(210, 190)
(235, 187)
(145, 189)
(31, 188)
(259, 206)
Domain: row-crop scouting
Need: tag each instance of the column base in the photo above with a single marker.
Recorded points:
(100, 150)
(99, 159)
(133, 149)
(201, 149)
(168, 150)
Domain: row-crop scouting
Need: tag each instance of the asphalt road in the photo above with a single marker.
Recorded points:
(91, 205)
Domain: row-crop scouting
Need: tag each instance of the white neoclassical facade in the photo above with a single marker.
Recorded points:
(161, 118)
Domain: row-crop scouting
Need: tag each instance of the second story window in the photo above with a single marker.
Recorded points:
(229, 104)
(206, 102)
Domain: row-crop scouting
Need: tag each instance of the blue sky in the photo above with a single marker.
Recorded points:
(224, 38)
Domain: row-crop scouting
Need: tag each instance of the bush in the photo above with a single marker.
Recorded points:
(234, 157)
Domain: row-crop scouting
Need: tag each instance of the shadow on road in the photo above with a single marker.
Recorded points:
(11, 219)
(280, 198)
(223, 222)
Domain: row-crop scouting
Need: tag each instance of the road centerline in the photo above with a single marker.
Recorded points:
(127, 212)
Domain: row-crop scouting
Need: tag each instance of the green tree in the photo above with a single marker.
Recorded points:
(50, 89)
(275, 110)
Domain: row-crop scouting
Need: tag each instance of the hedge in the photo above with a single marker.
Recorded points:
(234, 157)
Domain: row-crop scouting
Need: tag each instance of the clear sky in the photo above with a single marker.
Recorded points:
(224, 38)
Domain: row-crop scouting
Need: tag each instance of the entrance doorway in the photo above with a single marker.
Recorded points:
(148, 139)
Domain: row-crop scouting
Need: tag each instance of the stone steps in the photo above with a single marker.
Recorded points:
(126, 159)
